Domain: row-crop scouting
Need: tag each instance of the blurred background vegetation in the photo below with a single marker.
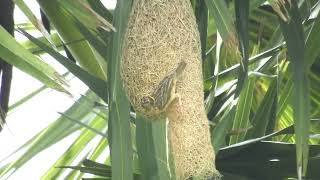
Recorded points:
(261, 75)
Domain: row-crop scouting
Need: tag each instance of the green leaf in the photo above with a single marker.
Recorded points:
(146, 149)
(242, 18)
(275, 160)
(15, 54)
(119, 120)
(100, 9)
(312, 44)
(152, 149)
(82, 10)
(92, 167)
(97, 85)
(94, 39)
(36, 50)
(73, 152)
(202, 21)
(241, 119)
(50, 135)
(105, 172)
(33, 19)
(69, 33)
(238, 147)
(221, 130)
(223, 20)
(264, 113)
(210, 99)
(244, 87)
(284, 99)
(294, 37)
(95, 42)
(252, 61)
(84, 125)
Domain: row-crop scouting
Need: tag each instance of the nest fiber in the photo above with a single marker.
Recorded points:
(161, 34)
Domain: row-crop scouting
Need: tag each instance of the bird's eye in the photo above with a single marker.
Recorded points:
(146, 101)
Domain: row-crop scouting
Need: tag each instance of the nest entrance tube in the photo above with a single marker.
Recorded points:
(160, 35)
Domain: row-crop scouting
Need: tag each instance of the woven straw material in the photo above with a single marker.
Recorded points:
(161, 34)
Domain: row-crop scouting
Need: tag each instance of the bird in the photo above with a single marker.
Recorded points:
(165, 92)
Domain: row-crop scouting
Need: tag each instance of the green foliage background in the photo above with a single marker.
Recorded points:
(261, 77)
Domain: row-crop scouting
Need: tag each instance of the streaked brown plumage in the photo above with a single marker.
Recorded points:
(164, 94)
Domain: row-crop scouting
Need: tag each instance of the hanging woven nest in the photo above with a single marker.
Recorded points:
(161, 35)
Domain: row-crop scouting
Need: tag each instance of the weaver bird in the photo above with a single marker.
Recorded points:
(165, 93)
